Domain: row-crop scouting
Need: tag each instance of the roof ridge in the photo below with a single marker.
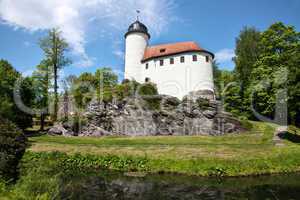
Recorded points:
(156, 45)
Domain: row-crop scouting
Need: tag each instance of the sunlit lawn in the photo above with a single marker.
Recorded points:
(252, 144)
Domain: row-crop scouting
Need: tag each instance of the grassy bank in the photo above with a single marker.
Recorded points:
(250, 153)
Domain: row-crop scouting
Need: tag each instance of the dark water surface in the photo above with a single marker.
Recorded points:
(112, 185)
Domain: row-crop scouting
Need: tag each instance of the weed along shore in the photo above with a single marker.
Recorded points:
(250, 153)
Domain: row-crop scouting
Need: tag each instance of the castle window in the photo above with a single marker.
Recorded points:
(207, 58)
(171, 61)
(147, 79)
(195, 58)
(147, 65)
(162, 50)
(161, 62)
(182, 59)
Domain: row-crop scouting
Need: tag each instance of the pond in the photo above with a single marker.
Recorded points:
(113, 185)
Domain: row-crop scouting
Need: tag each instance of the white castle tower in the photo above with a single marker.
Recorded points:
(137, 39)
(177, 68)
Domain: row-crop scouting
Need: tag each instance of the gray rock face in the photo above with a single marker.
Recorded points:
(59, 129)
(131, 117)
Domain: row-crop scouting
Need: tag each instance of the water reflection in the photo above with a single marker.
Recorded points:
(111, 185)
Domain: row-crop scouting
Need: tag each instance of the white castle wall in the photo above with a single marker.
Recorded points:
(180, 78)
(136, 44)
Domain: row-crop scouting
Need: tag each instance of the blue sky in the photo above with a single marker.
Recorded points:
(95, 28)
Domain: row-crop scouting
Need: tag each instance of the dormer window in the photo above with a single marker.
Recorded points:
(162, 50)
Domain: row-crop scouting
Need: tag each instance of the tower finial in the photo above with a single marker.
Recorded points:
(138, 14)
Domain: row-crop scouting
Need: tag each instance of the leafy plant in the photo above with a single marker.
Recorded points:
(12, 148)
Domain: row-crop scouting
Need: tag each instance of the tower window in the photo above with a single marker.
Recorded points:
(147, 65)
(147, 79)
(182, 59)
(207, 58)
(171, 61)
(195, 58)
(161, 62)
(162, 50)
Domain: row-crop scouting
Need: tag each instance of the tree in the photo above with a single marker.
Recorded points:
(106, 82)
(55, 48)
(41, 78)
(247, 52)
(278, 66)
(8, 107)
(217, 80)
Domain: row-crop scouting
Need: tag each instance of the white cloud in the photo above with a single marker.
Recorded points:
(225, 55)
(76, 18)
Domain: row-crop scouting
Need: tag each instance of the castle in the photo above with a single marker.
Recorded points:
(178, 69)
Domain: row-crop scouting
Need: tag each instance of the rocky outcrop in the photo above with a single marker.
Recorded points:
(61, 129)
(132, 117)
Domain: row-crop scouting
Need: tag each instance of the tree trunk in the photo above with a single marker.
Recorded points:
(55, 95)
(42, 128)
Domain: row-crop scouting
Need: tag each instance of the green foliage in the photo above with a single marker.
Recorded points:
(247, 52)
(12, 148)
(237, 95)
(79, 162)
(8, 108)
(266, 64)
(149, 93)
(232, 99)
(41, 84)
(277, 69)
(55, 48)
(83, 89)
(100, 85)
(147, 89)
(126, 89)
(106, 77)
(203, 103)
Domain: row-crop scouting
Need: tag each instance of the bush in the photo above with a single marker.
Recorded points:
(147, 89)
(12, 148)
(149, 93)
(203, 103)
(126, 89)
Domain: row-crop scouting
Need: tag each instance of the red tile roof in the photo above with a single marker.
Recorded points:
(172, 49)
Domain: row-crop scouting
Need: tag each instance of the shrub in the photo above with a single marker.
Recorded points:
(126, 89)
(203, 103)
(12, 148)
(149, 93)
(147, 89)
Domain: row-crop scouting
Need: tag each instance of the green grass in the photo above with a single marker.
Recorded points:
(248, 153)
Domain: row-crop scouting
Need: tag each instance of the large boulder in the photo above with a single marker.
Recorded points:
(59, 129)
